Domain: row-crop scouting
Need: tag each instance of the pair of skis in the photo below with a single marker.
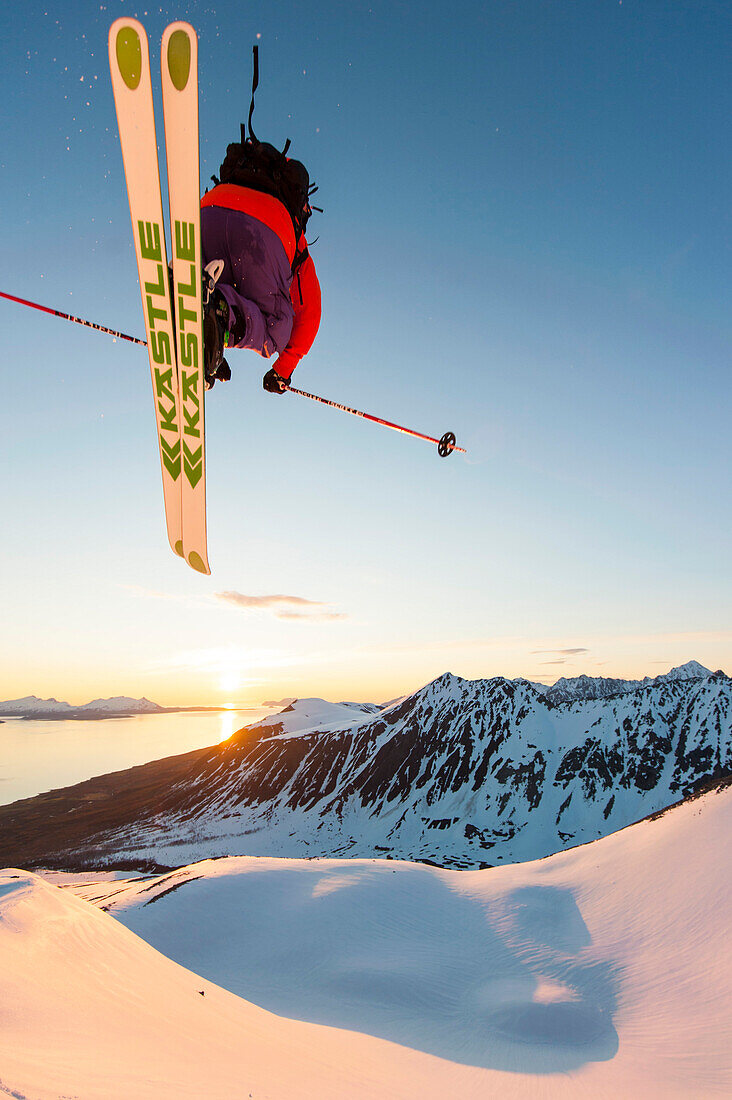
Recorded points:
(173, 315)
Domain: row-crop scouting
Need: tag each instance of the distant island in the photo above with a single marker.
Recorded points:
(54, 710)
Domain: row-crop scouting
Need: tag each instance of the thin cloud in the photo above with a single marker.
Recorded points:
(563, 652)
(321, 616)
(282, 606)
(241, 600)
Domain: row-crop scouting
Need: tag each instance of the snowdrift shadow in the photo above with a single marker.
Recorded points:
(574, 998)
(507, 982)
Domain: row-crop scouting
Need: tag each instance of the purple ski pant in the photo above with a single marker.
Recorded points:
(255, 280)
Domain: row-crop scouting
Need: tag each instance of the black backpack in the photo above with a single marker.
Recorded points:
(259, 165)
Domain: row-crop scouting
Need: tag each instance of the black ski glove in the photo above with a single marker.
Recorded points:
(274, 382)
(222, 372)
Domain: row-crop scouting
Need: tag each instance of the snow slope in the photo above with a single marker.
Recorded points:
(92, 1012)
(604, 971)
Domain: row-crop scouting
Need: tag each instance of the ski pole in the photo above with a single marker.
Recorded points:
(76, 320)
(445, 445)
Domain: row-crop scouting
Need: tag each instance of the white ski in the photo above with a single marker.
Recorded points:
(129, 63)
(179, 64)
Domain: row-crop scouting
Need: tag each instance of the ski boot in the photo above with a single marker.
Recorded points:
(215, 326)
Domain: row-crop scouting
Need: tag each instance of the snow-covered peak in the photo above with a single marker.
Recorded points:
(319, 710)
(30, 704)
(692, 670)
(567, 689)
(122, 704)
(312, 715)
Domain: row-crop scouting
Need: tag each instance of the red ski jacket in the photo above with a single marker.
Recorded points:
(305, 288)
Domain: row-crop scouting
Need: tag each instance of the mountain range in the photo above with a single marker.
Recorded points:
(461, 773)
(598, 687)
(30, 706)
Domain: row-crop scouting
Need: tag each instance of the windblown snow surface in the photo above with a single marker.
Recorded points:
(602, 971)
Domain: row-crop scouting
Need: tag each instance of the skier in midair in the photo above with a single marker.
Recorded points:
(267, 297)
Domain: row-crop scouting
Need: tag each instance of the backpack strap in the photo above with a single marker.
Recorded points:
(255, 84)
(298, 260)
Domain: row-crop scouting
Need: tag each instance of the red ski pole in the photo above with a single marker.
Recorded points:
(76, 320)
(445, 445)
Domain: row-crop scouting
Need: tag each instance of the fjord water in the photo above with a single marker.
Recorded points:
(38, 756)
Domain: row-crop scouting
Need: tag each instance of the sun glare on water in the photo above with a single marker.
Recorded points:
(230, 722)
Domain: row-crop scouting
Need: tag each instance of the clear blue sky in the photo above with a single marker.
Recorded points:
(526, 240)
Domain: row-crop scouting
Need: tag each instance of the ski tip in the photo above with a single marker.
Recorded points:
(177, 55)
(128, 50)
(178, 548)
(179, 25)
(196, 562)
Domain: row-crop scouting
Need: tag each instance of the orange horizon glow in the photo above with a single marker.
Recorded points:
(236, 678)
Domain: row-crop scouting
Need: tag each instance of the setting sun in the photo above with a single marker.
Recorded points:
(229, 680)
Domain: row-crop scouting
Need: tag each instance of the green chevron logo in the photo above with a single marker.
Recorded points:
(171, 456)
(193, 465)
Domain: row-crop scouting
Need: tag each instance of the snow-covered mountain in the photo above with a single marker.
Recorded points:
(31, 704)
(578, 687)
(604, 971)
(305, 716)
(122, 704)
(599, 687)
(462, 773)
(690, 671)
(586, 687)
(32, 707)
